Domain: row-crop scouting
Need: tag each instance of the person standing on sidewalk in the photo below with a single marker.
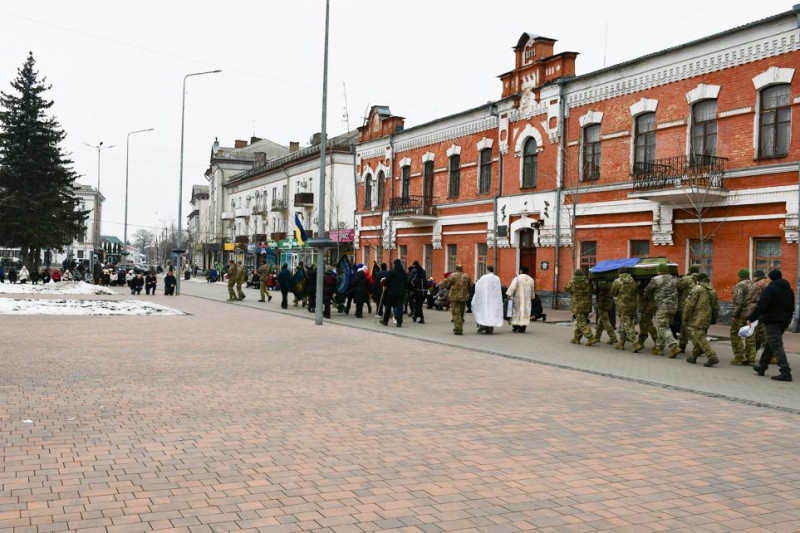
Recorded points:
(263, 279)
(664, 289)
(286, 282)
(487, 302)
(745, 298)
(580, 291)
(458, 293)
(699, 312)
(232, 274)
(394, 290)
(762, 281)
(775, 309)
(418, 287)
(521, 292)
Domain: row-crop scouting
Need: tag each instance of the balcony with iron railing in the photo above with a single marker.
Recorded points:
(679, 178)
(278, 235)
(260, 209)
(279, 204)
(413, 208)
(304, 199)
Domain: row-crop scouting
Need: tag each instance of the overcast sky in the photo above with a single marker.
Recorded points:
(118, 67)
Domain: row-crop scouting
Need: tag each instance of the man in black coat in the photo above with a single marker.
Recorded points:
(394, 290)
(774, 309)
(286, 282)
(377, 289)
(418, 288)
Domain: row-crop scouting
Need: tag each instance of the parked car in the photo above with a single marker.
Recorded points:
(137, 269)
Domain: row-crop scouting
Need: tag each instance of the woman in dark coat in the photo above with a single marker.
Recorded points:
(311, 289)
(360, 290)
(328, 289)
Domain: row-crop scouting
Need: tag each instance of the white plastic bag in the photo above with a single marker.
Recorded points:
(747, 331)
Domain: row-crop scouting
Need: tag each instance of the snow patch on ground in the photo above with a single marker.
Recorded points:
(63, 287)
(83, 307)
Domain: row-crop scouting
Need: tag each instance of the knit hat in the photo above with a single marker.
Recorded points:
(702, 276)
(662, 268)
(397, 262)
(775, 274)
(744, 273)
(759, 274)
(694, 269)
(579, 273)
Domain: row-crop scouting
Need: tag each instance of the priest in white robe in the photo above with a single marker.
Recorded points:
(487, 302)
(521, 293)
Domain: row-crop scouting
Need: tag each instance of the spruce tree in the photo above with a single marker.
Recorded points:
(38, 205)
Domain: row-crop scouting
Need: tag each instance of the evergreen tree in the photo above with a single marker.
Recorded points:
(38, 206)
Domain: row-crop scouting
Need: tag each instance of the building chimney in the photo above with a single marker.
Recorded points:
(315, 139)
(254, 140)
(294, 146)
(239, 144)
(261, 159)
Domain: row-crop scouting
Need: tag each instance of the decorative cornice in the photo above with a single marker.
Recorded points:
(672, 124)
(734, 112)
(448, 134)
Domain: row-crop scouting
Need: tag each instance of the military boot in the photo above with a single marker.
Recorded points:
(674, 351)
(682, 348)
(619, 346)
(691, 359)
(739, 360)
(612, 340)
(656, 351)
(592, 340)
(575, 340)
(711, 361)
(636, 347)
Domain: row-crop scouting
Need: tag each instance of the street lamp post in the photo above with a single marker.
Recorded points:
(127, 153)
(179, 252)
(96, 225)
(99, 147)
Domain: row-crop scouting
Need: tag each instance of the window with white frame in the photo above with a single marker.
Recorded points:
(700, 253)
(481, 259)
(429, 259)
(405, 182)
(454, 188)
(530, 161)
(368, 192)
(381, 189)
(639, 248)
(644, 143)
(767, 254)
(485, 173)
(452, 257)
(704, 131)
(591, 152)
(775, 121)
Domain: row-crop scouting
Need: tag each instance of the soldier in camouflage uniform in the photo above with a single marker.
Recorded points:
(685, 284)
(745, 297)
(664, 289)
(700, 311)
(605, 306)
(241, 277)
(761, 280)
(264, 272)
(232, 274)
(581, 291)
(625, 290)
(647, 309)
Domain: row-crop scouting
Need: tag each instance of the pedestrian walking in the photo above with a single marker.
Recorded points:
(581, 291)
(487, 302)
(685, 284)
(241, 277)
(458, 284)
(264, 272)
(625, 290)
(745, 297)
(664, 288)
(775, 309)
(521, 293)
(699, 312)
(285, 282)
(232, 275)
(394, 289)
(605, 307)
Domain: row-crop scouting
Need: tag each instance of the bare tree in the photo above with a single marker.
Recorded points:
(143, 239)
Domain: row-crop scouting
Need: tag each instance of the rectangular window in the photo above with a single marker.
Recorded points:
(639, 249)
(366, 257)
(591, 152)
(704, 132)
(455, 176)
(645, 143)
(80, 254)
(429, 259)
(775, 121)
(381, 189)
(402, 254)
(427, 182)
(588, 255)
(700, 254)
(767, 254)
(481, 256)
(405, 182)
(485, 179)
(452, 253)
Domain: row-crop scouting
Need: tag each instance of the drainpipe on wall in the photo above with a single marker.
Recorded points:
(495, 113)
(796, 323)
(355, 193)
(562, 105)
(391, 195)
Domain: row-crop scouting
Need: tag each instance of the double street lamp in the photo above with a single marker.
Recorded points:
(178, 250)
(127, 153)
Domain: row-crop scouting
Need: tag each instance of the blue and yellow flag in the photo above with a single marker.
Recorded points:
(299, 232)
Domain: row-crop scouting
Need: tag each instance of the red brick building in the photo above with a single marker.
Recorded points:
(689, 153)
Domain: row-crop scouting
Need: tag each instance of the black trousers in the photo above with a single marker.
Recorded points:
(417, 300)
(775, 347)
(284, 298)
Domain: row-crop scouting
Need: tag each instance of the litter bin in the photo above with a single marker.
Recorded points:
(187, 275)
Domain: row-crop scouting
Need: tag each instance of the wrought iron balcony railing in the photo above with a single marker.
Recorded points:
(413, 205)
(279, 204)
(680, 171)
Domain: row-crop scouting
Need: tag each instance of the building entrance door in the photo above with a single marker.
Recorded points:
(527, 251)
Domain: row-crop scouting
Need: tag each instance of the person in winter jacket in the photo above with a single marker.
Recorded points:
(328, 289)
(286, 282)
(150, 282)
(581, 291)
(67, 276)
(136, 284)
(664, 289)
(377, 289)
(394, 287)
(745, 298)
(418, 287)
(359, 287)
(700, 311)
(626, 291)
(24, 276)
(169, 283)
(775, 309)
(458, 284)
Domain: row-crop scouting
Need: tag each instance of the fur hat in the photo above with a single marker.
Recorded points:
(775, 274)
(744, 273)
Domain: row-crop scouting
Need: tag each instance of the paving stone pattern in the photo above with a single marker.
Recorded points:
(236, 419)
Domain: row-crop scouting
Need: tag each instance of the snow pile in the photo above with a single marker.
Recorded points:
(83, 307)
(63, 287)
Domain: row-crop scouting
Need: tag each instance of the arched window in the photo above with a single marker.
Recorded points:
(775, 121)
(368, 192)
(381, 189)
(485, 177)
(644, 143)
(529, 163)
(591, 152)
(704, 131)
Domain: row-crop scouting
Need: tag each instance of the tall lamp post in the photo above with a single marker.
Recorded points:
(178, 250)
(127, 154)
(96, 226)
(322, 147)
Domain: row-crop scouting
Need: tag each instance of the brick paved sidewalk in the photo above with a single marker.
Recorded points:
(229, 419)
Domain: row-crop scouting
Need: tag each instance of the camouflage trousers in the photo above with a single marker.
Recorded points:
(231, 290)
(760, 335)
(646, 328)
(457, 310)
(582, 326)
(743, 349)
(684, 334)
(627, 329)
(664, 336)
(700, 344)
(264, 290)
(239, 289)
(604, 324)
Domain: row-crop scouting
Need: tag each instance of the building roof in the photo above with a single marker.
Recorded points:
(111, 239)
(272, 149)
